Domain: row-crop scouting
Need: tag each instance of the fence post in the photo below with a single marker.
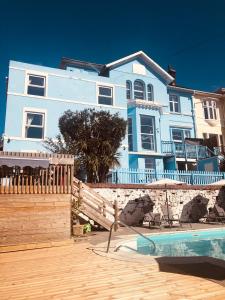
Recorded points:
(156, 175)
(116, 215)
(192, 178)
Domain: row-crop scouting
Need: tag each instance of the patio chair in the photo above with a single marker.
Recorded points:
(168, 217)
(154, 219)
(210, 217)
(220, 213)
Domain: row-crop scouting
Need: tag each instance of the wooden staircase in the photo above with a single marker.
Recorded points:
(88, 203)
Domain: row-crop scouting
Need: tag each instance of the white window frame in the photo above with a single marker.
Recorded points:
(139, 91)
(37, 74)
(153, 135)
(208, 107)
(35, 111)
(110, 86)
(173, 103)
(183, 130)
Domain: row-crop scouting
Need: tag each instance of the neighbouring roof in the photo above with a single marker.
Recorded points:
(80, 64)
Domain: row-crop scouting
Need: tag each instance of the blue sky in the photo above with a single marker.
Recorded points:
(189, 35)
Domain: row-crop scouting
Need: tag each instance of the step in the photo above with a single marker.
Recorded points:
(95, 216)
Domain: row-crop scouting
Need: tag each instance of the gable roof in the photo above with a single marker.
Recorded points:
(140, 54)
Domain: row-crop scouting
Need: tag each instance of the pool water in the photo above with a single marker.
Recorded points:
(194, 243)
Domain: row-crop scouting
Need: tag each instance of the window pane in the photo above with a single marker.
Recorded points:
(36, 80)
(147, 142)
(147, 129)
(177, 135)
(176, 107)
(171, 106)
(128, 87)
(104, 100)
(138, 95)
(38, 91)
(211, 113)
(129, 126)
(149, 163)
(150, 92)
(215, 115)
(139, 90)
(130, 142)
(34, 119)
(206, 113)
(187, 134)
(34, 132)
(146, 120)
(105, 91)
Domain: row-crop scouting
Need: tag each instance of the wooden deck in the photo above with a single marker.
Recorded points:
(75, 272)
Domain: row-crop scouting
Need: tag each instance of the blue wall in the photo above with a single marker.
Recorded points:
(76, 89)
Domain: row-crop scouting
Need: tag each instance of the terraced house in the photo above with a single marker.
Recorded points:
(160, 115)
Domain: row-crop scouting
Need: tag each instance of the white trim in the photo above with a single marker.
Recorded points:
(197, 92)
(18, 138)
(149, 153)
(34, 110)
(165, 75)
(66, 100)
(66, 76)
(144, 103)
(187, 160)
(179, 114)
(180, 126)
(174, 87)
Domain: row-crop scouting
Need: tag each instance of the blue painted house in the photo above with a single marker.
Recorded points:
(160, 115)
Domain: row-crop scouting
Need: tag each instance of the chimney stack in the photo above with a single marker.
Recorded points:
(172, 72)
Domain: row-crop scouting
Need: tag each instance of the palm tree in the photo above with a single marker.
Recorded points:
(93, 137)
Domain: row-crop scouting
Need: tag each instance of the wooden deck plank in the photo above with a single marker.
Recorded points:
(74, 272)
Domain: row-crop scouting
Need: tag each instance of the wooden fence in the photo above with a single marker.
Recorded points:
(56, 179)
(139, 176)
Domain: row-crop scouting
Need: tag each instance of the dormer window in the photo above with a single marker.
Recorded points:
(129, 89)
(209, 107)
(139, 89)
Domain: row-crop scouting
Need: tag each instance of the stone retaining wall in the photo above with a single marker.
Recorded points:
(189, 202)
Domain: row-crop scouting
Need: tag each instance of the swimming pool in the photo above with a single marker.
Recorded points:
(192, 243)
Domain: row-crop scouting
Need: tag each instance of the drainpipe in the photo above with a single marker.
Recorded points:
(193, 114)
(160, 135)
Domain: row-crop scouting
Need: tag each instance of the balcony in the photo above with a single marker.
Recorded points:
(183, 150)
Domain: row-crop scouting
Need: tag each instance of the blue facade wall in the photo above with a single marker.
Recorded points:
(76, 89)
